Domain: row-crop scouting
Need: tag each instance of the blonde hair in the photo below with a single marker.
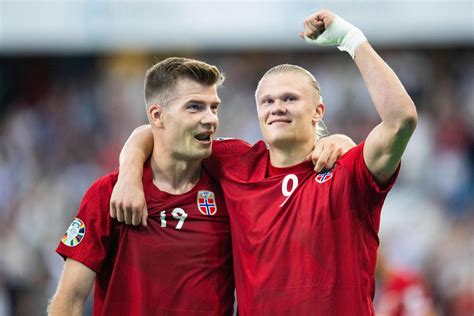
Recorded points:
(320, 128)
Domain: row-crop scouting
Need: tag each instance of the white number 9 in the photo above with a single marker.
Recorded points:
(284, 186)
(179, 213)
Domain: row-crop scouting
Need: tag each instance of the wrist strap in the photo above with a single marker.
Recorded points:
(346, 36)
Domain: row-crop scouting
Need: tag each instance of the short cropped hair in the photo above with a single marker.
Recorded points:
(161, 79)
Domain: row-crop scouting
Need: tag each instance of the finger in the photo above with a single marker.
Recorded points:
(322, 160)
(331, 161)
(119, 211)
(311, 25)
(301, 34)
(316, 153)
(320, 26)
(136, 218)
(113, 211)
(144, 216)
(128, 215)
(310, 30)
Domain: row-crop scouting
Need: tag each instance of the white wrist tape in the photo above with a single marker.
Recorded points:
(346, 36)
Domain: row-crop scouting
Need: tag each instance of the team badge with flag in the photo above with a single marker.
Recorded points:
(206, 202)
(323, 176)
(75, 233)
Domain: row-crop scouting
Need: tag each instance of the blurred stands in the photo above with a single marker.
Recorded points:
(64, 119)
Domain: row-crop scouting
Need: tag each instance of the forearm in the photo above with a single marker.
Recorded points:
(136, 151)
(63, 304)
(74, 287)
(392, 102)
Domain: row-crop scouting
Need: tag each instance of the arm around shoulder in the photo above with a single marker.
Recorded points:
(73, 289)
(127, 202)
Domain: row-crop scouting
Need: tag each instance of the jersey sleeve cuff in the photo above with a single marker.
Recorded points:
(84, 258)
(374, 185)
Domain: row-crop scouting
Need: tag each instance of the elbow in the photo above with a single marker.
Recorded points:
(409, 121)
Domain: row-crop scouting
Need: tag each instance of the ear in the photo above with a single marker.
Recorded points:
(318, 113)
(155, 115)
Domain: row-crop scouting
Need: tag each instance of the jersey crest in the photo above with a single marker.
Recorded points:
(75, 233)
(323, 176)
(206, 203)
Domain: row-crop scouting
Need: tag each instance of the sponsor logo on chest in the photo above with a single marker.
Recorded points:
(206, 202)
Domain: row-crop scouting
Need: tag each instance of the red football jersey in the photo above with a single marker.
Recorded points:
(180, 264)
(303, 243)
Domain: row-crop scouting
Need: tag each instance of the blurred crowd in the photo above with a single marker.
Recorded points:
(64, 119)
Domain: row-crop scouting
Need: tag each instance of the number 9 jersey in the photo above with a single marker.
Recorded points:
(180, 264)
(303, 243)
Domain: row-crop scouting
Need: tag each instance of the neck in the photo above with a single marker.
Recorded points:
(173, 175)
(289, 155)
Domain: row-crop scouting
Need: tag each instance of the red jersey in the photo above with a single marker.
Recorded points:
(303, 243)
(180, 264)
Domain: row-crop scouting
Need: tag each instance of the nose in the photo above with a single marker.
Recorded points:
(210, 118)
(278, 108)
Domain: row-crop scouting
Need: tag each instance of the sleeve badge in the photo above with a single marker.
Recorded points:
(75, 233)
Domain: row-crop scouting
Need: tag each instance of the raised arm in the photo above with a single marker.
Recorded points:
(387, 141)
(74, 287)
(127, 202)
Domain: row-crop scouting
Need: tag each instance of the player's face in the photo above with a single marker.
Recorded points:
(288, 109)
(190, 120)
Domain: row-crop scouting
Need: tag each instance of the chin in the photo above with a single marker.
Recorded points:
(282, 140)
(202, 154)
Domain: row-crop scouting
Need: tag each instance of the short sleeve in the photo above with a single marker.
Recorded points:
(88, 237)
(366, 194)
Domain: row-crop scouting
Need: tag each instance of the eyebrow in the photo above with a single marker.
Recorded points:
(202, 102)
(284, 94)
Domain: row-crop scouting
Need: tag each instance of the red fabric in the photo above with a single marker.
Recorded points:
(157, 270)
(311, 252)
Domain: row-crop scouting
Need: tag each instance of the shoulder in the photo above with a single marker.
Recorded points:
(229, 146)
(353, 155)
(354, 164)
(102, 187)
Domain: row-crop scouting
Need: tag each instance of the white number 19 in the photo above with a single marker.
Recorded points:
(178, 213)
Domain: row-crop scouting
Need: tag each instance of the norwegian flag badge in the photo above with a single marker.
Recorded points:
(323, 176)
(206, 203)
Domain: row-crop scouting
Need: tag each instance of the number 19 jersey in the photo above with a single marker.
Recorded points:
(303, 243)
(180, 264)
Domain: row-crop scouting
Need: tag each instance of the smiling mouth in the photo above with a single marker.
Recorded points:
(203, 138)
(279, 121)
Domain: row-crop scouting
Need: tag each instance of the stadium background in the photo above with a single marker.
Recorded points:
(71, 75)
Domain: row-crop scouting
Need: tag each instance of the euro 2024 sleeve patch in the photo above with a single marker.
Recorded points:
(75, 233)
